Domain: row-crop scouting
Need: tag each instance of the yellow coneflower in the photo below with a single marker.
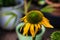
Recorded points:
(34, 19)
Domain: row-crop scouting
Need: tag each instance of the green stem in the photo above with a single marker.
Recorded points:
(33, 38)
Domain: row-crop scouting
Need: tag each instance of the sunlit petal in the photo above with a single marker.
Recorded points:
(23, 18)
(26, 28)
(36, 28)
(39, 26)
(32, 30)
(46, 24)
(21, 29)
(45, 19)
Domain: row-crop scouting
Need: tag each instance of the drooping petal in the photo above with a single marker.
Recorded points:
(39, 26)
(45, 19)
(32, 30)
(36, 28)
(23, 18)
(46, 23)
(26, 28)
(21, 29)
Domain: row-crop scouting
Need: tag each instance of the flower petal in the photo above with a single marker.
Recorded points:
(45, 19)
(23, 18)
(26, 28)
(39, 26)
(36, 28)
(47, 24)
(32, 30)
(21, 29)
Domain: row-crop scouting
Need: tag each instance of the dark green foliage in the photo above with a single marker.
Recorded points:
(7, 3)
(1, 2)
(55, 35)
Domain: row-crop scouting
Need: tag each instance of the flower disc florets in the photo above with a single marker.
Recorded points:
(34, 17)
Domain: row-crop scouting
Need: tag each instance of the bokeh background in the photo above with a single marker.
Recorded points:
(12, 10)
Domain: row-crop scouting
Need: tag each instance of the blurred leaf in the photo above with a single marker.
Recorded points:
(7, 22)
(48, 9)
(14, 24)
(13, 15)
(1, 2)
(55, 35)
(15, 21)
(29, 3)
(41, 2)
(26, 5)
(9, 13)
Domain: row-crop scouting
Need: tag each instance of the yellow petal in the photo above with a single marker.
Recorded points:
(23, 18)
(47, 24)
(21, 29)
(36, 28)
(45, 19)
(32, 30)
(26, 28)
(39, 26)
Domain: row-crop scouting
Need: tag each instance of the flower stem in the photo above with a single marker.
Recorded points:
(25, 6)
(33, 38)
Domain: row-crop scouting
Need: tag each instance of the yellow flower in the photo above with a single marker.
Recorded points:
(34, 19)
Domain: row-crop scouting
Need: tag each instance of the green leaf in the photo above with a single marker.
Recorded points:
(15, 21)
(1, 2)
(7, 22)
(9, 13)
(41, 2)
(29, 3)
(12, 16)
(48, 9)
(55, 35)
